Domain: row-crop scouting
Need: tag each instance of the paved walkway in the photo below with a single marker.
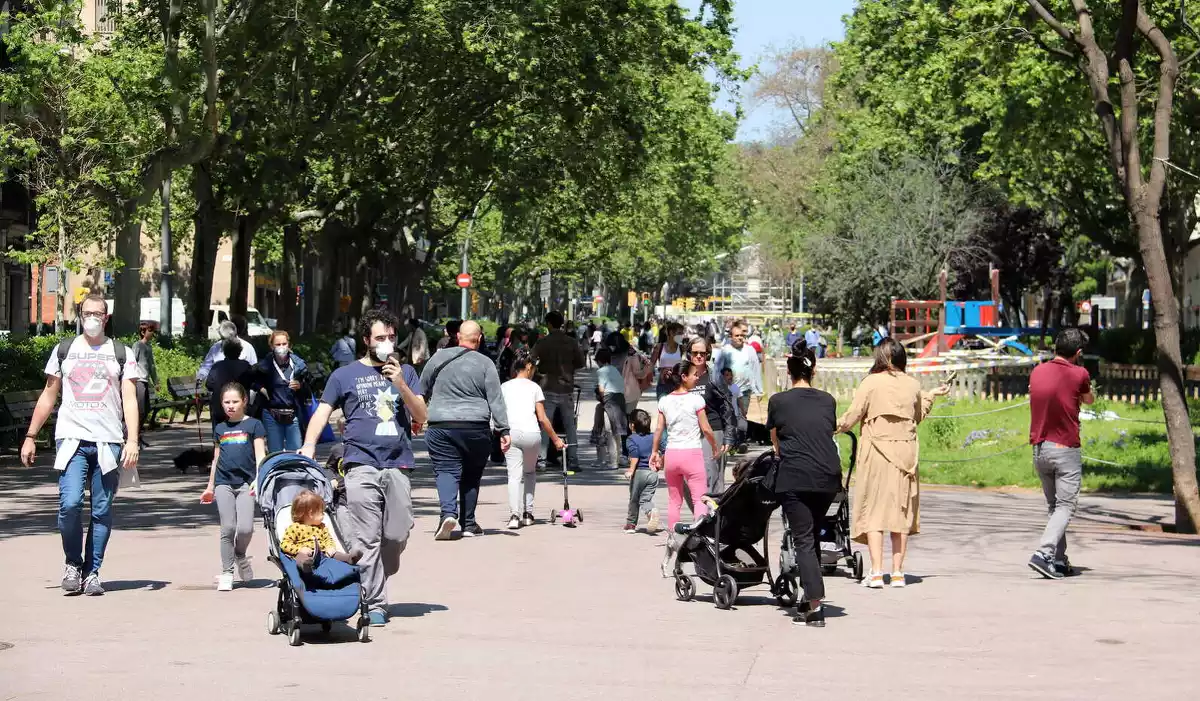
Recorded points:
(548, 612)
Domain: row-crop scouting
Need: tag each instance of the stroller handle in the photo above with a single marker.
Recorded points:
(853, 457)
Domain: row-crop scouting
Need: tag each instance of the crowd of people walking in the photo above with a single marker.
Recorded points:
(522, 401)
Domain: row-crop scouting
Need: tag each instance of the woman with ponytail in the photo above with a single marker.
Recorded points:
(527, 418)
(681, 415)
(802, 421)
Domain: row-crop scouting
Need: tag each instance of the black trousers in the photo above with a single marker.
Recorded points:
(805, 514)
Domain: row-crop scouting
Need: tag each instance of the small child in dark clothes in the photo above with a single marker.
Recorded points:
(642, 476)
(307, 533)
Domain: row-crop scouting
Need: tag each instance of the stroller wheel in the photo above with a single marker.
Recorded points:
(273, 623)
(785, 590)
(294, 634)
(685, 588)
(725, 593)
(858, 566)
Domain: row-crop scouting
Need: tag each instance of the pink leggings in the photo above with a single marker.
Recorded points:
(685, 465)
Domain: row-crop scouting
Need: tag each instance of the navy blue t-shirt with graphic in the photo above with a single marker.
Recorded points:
(640, 446)
(237, 465)
(377, 423)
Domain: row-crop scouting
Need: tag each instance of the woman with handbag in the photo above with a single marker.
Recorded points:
(802, 422)
(280, 375)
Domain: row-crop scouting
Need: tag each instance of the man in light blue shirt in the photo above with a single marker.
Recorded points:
(742, 359)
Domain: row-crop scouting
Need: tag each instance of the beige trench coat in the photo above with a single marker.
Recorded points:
(887, 488)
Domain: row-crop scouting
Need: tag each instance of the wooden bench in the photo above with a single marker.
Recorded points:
(16, 413)
(186, 395)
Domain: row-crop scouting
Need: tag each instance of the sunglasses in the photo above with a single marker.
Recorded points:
(701, 354)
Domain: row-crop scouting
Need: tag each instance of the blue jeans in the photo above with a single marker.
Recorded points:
(281, 436)
(458, 456)
(84, 469)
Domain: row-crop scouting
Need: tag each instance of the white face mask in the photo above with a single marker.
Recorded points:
(281, 352)
(383, 349)
(92, 326)
(678, 339)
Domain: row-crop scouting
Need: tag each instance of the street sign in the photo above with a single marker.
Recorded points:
(1104, 302)
(632, 298)
(598, 299)
(300, 290)
(546, 285)
(463, 280)
(1085, 307)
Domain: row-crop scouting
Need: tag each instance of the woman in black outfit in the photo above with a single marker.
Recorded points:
(802, 422)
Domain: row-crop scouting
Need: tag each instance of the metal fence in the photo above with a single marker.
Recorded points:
(107, 12)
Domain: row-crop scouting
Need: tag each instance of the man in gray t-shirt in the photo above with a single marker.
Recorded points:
(465, 406)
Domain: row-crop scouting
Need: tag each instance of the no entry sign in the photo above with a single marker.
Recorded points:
(463, 279)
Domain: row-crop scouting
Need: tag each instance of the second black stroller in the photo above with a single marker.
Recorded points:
(833, 542)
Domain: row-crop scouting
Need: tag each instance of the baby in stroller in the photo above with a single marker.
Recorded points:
(307, 537)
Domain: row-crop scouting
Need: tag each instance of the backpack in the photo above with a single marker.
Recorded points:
(64, 347)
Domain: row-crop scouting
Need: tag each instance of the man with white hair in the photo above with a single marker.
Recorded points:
(228, 331)
(462, 389)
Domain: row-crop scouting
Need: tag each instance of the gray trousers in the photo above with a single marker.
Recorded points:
(641, 494)
(236, 510)
(1061, 470)
(564, 406)
(714, 467)
(378, 516)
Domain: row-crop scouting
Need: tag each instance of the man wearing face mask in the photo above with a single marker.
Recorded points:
(379, 398)
(280, 377)
(99, 412)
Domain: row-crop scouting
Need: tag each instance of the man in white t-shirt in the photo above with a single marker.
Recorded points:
(99, 412)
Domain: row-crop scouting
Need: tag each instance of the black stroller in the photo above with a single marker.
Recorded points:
(833, 543)
(722, 545)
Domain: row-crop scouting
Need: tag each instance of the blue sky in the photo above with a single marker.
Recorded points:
(762, 24)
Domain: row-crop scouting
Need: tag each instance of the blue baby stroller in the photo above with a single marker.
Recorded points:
(332, 591)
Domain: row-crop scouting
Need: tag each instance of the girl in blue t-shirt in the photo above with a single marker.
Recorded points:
(240, 447)
(642, 476)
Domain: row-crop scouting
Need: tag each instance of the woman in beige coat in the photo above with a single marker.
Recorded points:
(889, 404)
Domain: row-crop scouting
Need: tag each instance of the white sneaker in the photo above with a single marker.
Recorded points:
(514, 522)
(898, 581)
(448, 525)
(873, 580)
(225, 581)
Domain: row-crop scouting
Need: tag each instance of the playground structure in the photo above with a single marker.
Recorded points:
(942, 324)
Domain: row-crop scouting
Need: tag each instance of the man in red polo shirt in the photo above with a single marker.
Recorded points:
(1056, 390)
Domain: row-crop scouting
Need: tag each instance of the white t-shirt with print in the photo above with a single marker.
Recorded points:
(521, 397)
(91, 408)
(683, 423)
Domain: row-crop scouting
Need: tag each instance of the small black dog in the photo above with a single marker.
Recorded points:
(200, 458)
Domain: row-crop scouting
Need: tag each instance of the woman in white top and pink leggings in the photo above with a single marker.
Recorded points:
(681, 416)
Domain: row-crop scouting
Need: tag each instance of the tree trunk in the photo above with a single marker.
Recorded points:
(206, 239)
(287, 314)
(1171, 374)
(239, 274)
(330, 302)
(128, 285)
(1134, 287)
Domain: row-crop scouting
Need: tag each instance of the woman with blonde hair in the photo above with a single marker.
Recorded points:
(889, 404)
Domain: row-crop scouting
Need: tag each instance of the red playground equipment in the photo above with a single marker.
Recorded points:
(942, 324)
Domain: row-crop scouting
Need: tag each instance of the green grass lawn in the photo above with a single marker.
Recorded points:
(993, 450)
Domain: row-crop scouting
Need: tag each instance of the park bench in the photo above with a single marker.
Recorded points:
(15, 414)
(186, 395)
